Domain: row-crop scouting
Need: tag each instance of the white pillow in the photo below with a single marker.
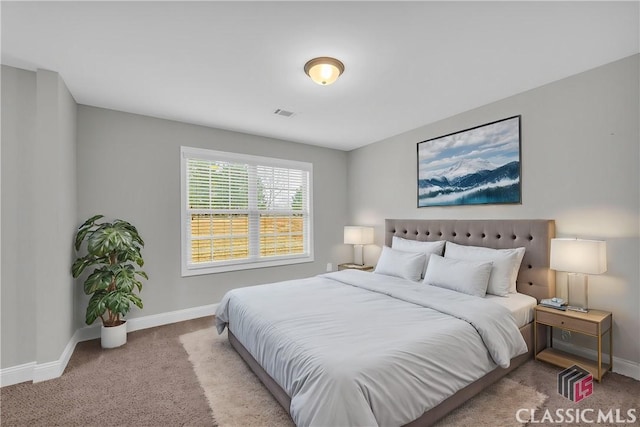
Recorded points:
(426, 248)
(469, 277)
(407, 265)
(506, 264)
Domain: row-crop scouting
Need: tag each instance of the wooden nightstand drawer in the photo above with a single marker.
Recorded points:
(564, 322)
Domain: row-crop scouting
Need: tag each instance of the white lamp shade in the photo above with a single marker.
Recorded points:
(355, 235)
(579, 256)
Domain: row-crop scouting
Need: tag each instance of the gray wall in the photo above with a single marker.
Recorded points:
(38, 215)
(129, 168)
(580, 157)
(18, 283)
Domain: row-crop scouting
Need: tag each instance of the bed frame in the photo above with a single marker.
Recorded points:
(534, 278)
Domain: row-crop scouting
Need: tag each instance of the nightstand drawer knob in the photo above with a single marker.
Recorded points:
(562, 322)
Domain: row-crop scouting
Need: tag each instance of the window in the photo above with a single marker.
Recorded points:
(241, 211)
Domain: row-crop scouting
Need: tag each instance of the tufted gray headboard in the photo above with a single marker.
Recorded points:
(535, 278)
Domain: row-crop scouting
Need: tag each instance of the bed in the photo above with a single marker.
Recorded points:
(318, 326)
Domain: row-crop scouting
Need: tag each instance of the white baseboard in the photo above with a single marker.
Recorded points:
(37, 372)
(87, 333)
(620, 366)
(154, 320)
(17, 374)
(51, 370)
(138, 323)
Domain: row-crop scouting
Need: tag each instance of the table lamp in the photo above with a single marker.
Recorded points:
(578, 258)
(358, 236)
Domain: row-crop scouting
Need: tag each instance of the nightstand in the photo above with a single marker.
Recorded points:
(355, 267)
(594, 323)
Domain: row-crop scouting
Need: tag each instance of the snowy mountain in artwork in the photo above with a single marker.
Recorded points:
(462, 168)
(474, 181)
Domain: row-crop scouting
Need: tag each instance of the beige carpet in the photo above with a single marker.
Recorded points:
(149, 382)
(238, 398)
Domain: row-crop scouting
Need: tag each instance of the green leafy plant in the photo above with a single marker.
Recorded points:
(114, 247)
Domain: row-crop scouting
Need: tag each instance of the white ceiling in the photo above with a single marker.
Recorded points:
(229, 65)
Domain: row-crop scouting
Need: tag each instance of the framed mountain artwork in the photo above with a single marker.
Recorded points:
(476, 166)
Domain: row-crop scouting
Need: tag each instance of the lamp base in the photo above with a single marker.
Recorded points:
(577, 290)
(357, 255)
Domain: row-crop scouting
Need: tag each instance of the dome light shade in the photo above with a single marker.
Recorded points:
(324, 70)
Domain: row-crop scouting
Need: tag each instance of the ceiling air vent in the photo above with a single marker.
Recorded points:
(284, 113)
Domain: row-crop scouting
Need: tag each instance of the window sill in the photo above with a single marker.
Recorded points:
(197, 271)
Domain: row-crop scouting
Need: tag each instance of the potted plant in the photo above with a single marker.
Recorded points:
(113, 247)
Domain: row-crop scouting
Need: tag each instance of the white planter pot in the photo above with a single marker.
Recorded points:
(114, 336)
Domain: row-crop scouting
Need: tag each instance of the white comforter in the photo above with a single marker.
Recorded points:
(355, 348)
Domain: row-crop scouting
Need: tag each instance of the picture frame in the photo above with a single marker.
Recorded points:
(476, 166)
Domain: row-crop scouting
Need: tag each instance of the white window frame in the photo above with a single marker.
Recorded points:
(234, 265)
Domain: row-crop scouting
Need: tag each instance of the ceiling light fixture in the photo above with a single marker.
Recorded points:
(324, 70)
